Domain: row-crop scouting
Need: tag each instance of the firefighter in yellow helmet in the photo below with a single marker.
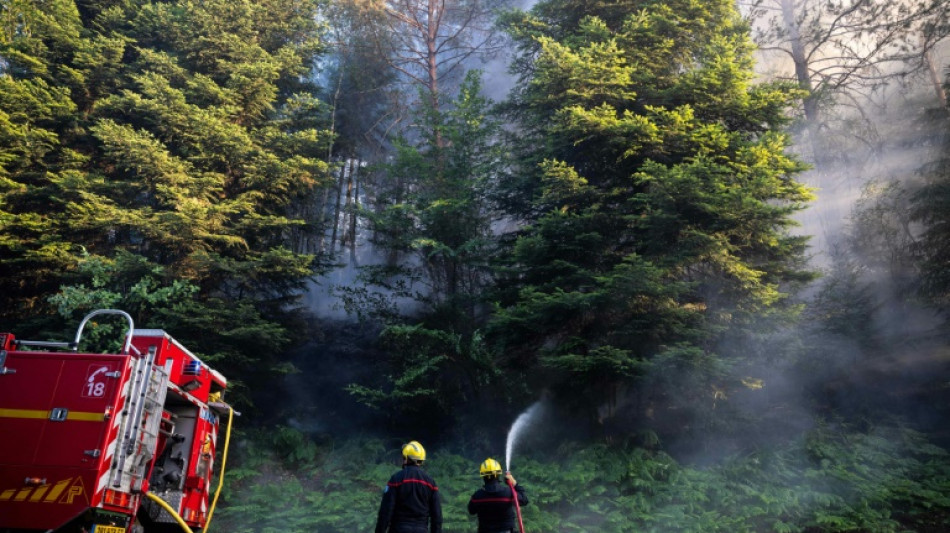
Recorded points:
(411, 501)
(494, 503)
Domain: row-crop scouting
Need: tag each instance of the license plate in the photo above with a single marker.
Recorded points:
(108, 529)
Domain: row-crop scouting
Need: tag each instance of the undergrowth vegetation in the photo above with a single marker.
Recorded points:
(833, 479)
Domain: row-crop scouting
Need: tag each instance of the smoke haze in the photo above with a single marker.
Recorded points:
(780, 365)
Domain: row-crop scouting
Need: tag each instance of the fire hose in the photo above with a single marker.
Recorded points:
(224, 459)
(170, 511)
(514, 496)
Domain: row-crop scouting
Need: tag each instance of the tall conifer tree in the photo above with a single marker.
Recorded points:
(441, 221)
(164, 141)
(657, 196)
(40, 74)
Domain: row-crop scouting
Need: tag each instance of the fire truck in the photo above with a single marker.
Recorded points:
(108, 442)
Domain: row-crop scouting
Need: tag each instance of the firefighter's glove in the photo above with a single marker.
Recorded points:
(511, 479)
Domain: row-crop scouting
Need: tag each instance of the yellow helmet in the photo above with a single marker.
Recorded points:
(489, 468)
(414, 451)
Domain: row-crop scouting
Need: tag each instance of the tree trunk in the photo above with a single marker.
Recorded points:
(935, 78)
(800, 60)
(322, 213)
(802, 74)
(347, 207)
(354, 178)
(336, 212)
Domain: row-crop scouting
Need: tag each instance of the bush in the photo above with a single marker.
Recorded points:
(834, 479)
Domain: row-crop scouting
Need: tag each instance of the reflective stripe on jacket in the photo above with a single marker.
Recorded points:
(495, 506)
(410, 503)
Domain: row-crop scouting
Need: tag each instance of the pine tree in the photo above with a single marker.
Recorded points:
(48, 67)
(657, 196)
(440, 222)
(930, 206)
(181, 133)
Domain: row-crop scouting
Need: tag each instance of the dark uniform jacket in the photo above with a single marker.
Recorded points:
(495, 507)
(410, 503)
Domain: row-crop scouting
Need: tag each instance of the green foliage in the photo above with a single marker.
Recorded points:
(128, 283)
(835, 480)
(151, 154)
(331, 494)
(294, 448)
(660, 196)
(36, 124)
(437, 372)
(245, 341)
(437, 207)
(435, 226)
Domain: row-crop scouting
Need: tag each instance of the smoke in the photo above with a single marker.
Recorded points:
(844, 167)
(866, 347)
(498, 81)
(779, 368)
(321, 297)
(313, 397)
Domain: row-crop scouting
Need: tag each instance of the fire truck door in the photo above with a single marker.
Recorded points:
(55, 405)
(51, 435)
(24, 405)
(75, 427)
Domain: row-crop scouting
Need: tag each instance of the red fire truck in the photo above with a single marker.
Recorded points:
(108, 442)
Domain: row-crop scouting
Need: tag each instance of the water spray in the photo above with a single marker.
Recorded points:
(513, 434)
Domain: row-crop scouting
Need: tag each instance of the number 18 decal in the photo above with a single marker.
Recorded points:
(95, 383)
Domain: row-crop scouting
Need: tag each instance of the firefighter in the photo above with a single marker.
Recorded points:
(494, 503)
(411, 498)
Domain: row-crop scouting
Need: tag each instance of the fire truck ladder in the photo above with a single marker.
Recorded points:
(140, 425)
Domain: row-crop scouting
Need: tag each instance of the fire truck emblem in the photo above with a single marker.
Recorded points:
(94, 386)
(68, 491)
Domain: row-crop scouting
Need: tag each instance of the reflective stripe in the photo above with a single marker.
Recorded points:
(58, 489)
(41, 414)
(86, 416)
(23, 413)
(39, 493)
(420, 481)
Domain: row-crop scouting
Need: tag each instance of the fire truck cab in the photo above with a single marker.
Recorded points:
(107, 442)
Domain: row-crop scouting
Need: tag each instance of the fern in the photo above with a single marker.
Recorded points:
(887, 480)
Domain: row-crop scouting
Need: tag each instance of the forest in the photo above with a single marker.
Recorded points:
(699, 248)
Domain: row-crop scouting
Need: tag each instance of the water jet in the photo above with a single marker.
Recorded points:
(517, 429)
